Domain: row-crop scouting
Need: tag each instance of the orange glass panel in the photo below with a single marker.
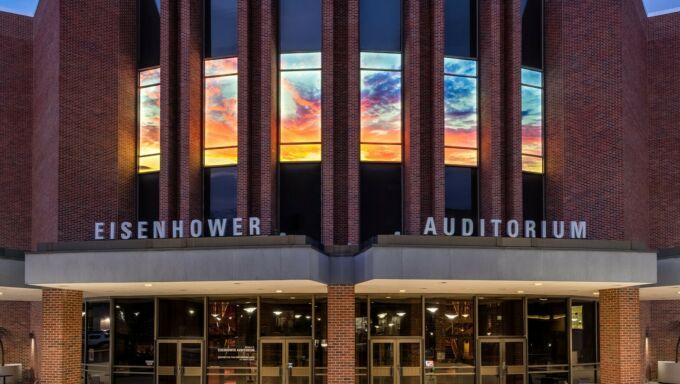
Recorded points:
(300, 107)
(220, 157)
(532, 164)
(220, 67)
(461, 157)
(380, 106)
(149, 120)
(221, 112)
(147, 164)
(300, 153)
(389, 153)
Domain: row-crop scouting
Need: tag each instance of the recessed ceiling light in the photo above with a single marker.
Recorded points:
(388, 297)
(596, 293)
(382, 315)
(402, 291)
(148, 285)
(450, 316)
(401, 314)
(249, 309)
(1, 293)
(520, 292)
(432, 309)
(678, 293)
(279, 291)
(277, 313)
(538, 284)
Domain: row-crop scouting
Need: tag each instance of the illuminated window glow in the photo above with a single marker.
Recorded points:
(532, 121)
(460, 112)
(149, 104)
(300, 107)
(221, 112)
(381, 119)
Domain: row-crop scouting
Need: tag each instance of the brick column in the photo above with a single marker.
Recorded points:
(243, 167)
(435, 193)
(341, 330)
(189, 149)
(327, 125)
(61, 339)
(620, 359)
(353, 123)
(513, 110)
(168, 173)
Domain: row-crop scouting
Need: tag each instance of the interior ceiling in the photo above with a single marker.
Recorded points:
(392, 288)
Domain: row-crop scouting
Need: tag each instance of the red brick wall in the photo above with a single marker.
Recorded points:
(341, 328)
(16, 81)
(61, 337)
(620, 358)
(663, 59)
(36, 328)
(15, 316)
(661, 324)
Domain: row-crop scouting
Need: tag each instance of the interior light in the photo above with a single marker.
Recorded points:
(250, 309)
(402, 291)
(391, 324)
(596, 293)
(538, 284)
(543, 299)
(520, 292)
(136, 314)
(218, 318)
(382, 315)
(450, 316)
(1, 293)
(432, 309)
(324, 343)
(191, 311)
(215, 315)
(388, 297)
(401, 314)
(309, 317)
(466, 315)
(277, 313)
(279, 291)
(148, 285)
(117, 306)
(297, 316)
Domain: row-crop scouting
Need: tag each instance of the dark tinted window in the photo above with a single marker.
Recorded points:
(300, 199)
(134, 332)
(221, 28)
(380, 25)
(361, 339)
(286, 317)
(450, 333)
(532, 33)
(532, 196)
(232, 333)
(461, 192)
(501, 317)
(300, 25)
(380, 199)
(396, 317)
(148, 191)
(460, 28)
(584, 332)
(180, 318)
(547, 320)
(97, 332)
(220, 193)
(320, 334)
(149, 34)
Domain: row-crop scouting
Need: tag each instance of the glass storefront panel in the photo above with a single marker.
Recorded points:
(232, 341)
(449, 341)
(180, 317)
(320, 341)
(548, 378)
(547, 320)
(361, 340)
(583, 332)
(133, 338)
(286, 317)
(396, 317)
(501, 317)
(97, 332)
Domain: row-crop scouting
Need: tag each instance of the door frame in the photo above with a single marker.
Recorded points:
(178, 343)
(502, 341)
(395, 341)
(284, 341)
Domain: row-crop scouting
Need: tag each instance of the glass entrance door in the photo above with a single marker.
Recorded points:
(180, 362)
(502, 361)
(286, 361)
(396, 361)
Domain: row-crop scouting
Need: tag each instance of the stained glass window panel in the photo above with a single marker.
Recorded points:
(300, 153)
(300, 107)
(380, 107)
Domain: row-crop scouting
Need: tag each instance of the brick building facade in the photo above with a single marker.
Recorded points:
(70, 118)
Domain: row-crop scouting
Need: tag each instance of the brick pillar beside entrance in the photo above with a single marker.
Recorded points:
(620, 358)
(61, 336)
(341, 330)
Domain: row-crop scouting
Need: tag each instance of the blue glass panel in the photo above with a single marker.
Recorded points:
(299, 25)
(388, 61)
(453, 66)
(533, 78)
(380, 25)
(380, 107)
(311, 60)
(460, 28)
(221, 28)
(460, 111)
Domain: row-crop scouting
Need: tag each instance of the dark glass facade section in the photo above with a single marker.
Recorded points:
(461, 192)
(221, 28)
(320, 341)
(148, 34)
(584, 332)
(450, 334)
(532, 33)
(380, 25)
(299, 25)
(532, 196)
(291, 317)
(396, 317)
(134, 337)
(97, 332)
(180, 318)
(220, 192)
(147, 200)
(300, 199)
(361, 340)
(460, 28)
(380, 199)
(232, 333)
(547, 331)
(501, 317)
